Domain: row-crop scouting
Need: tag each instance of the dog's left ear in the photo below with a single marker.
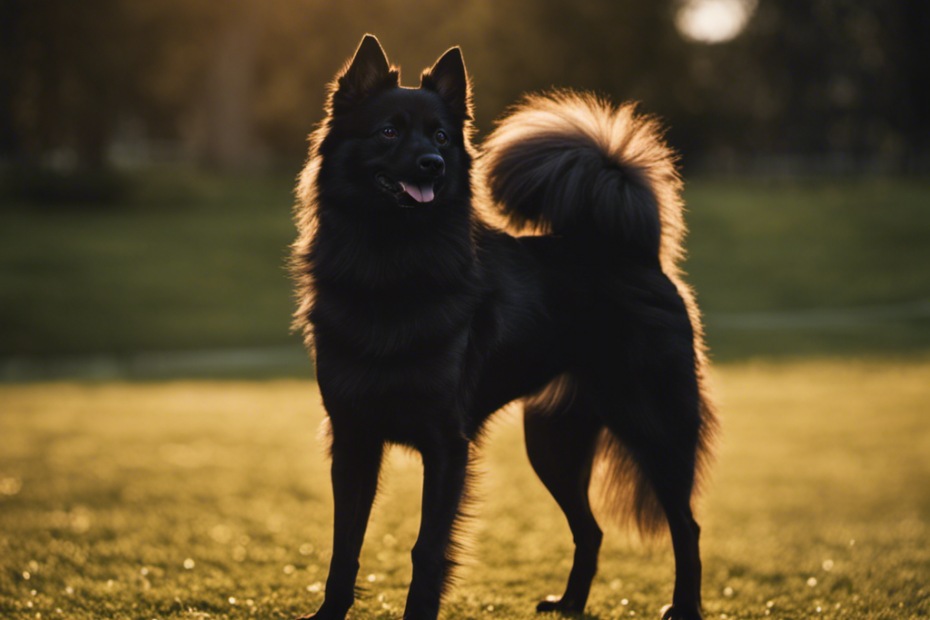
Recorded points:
(448, 79)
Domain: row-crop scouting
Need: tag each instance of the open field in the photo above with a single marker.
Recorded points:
(211, 500)
(190, 261)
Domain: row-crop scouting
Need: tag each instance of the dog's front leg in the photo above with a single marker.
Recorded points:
(445, 470)
(355, 467)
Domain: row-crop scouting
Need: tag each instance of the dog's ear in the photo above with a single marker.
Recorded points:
(367, 73)
(448, 79)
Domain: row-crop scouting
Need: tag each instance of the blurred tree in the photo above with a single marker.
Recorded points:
(831, 76)
(69, 62)
(240, 83)
(915, 50)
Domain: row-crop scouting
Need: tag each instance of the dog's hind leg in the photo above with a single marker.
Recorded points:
(657, 421)
(672, 477)
(356, 463)
(686, 600)
(561, 436)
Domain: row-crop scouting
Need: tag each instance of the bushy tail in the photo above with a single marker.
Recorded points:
(573, 165)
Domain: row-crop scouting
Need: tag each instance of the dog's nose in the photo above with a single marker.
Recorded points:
(431, 163)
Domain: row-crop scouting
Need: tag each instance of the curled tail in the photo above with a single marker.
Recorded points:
(573, 165)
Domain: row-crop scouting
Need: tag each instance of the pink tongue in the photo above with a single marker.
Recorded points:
(422, 193)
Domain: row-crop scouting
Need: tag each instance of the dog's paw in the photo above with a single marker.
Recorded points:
(670, 612)
(323, 613)
(554, 603)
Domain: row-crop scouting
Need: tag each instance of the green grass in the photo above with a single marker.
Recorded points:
(193, 261)
(199, 499)
(757, 246)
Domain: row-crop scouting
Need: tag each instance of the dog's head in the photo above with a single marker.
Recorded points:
(386, 146)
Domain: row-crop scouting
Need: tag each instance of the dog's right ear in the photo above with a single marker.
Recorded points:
(367, 73)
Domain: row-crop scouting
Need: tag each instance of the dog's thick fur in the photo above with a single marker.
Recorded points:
(424, 319)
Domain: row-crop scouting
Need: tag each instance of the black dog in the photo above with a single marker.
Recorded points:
(424, 319)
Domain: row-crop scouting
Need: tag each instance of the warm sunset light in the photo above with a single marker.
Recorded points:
(713, 21)
(608, 310)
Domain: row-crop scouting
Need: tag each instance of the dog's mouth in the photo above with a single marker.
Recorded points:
(409, 193)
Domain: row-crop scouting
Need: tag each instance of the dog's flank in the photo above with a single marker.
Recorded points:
(424, 320)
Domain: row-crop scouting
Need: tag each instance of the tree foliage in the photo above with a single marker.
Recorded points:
(241, 83)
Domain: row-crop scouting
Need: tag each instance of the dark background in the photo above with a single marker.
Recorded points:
(148, 152)
(239, 84)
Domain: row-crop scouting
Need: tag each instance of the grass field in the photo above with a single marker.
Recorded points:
(211, 500)
(191, 261)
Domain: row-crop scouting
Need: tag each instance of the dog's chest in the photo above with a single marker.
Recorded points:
(390, 349)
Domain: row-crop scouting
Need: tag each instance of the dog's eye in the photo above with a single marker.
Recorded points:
(442, 137)
(389, 132)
